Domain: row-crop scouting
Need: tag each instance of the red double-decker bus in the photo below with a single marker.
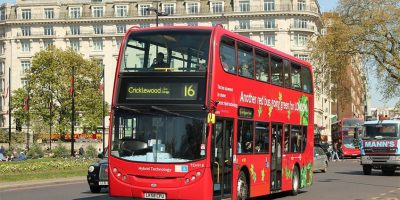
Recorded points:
(345, 133)
(202, 113)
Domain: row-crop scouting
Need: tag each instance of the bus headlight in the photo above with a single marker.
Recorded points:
(91, 168)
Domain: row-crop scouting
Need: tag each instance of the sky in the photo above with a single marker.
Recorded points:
(375, 100)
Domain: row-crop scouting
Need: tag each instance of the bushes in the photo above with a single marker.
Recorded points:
(91, 152)
(60, 151)
(35, 152)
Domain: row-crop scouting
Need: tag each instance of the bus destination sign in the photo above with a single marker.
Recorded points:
(164, 91)
(245, 112)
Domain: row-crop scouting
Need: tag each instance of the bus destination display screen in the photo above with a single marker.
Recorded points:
(162, 91)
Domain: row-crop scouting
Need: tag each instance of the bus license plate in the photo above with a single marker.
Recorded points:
(103, 182)
(155, 196)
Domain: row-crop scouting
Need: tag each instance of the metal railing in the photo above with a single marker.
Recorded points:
(180, 11)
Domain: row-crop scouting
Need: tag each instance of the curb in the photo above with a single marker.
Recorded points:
(38, 183)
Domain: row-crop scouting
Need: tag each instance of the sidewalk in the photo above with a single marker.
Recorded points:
(35, 183)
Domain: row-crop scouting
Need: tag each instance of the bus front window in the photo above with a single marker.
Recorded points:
(166, 51)
(158, 138)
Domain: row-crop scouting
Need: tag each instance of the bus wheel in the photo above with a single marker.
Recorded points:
(242, 187)
(295, 181)
(367, 169)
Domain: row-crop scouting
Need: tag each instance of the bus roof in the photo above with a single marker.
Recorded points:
(391, 121)
(237, 36)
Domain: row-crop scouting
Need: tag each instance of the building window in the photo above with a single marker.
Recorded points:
(244, 6)
(168, 24)
(26, 30)
(98, 45)
(193, 23)
(300, 40)
(269, 23)
(75, 12)
(217, 7)
(244, 24)
(97, 11)
(75, 30)
(144, 25)
(26, 14)
(25, 66)
(143, 10)
(269, 40)
(121, 28)
(48, 30)
(269, 5)
(49, 13)
(2, 15)
(24, 83)
(118, 43)
(47, 43)
(300, 23)
(301, 4)
(75, 45)
(25, 46)
(169, 8)
(98, 29)
(303, 57)
(2, 67)
(121, 10)
(192, 7)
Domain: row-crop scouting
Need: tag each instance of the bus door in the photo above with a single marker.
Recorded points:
(221, 160)
(276, 157)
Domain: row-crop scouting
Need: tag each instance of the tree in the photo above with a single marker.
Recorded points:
(367, 30)
(49, 82)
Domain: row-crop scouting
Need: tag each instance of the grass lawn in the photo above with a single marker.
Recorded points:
(45, 168)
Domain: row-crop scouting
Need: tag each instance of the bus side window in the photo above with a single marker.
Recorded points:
(262, 66)
(276, 71)
(245, 60)
(296, 76)
(306, 79)
(227, 55)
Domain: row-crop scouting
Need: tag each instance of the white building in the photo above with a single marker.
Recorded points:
(95, 28)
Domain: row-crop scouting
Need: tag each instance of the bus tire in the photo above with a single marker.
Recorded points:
(242, 192)
(95, 189)
(295, 181)
(367, 169)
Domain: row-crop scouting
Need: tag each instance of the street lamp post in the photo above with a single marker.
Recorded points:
(157, 12)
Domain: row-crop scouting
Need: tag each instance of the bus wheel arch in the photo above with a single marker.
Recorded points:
(295, 180)
(243, 184)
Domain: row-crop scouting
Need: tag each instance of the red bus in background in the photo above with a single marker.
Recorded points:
(203, 113)
(344, 132)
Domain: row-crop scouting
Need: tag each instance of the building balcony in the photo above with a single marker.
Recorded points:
(35, 35)
(255, 28)
(92, 34)
(202, 12)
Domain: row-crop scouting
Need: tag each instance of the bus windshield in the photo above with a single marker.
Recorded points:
(158, 137)
(381, 131)
(166, 51)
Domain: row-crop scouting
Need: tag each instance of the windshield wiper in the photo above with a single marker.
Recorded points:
(170, 112)
(126, 108)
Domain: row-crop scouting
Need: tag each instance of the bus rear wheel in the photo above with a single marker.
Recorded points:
(295, 181)
(242, 192)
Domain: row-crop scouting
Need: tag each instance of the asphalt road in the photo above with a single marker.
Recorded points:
(343, 181)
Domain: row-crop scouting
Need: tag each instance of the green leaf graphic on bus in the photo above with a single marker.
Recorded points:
(306, 175)
(303, 110)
